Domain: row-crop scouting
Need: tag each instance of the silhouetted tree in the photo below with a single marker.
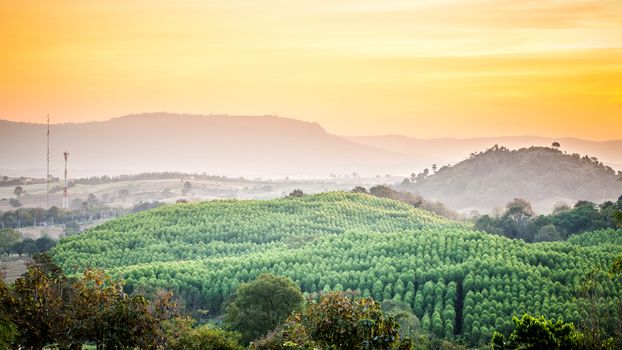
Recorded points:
(19, 191)
(297, 193)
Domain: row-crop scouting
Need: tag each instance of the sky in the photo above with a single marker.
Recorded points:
(423, 68)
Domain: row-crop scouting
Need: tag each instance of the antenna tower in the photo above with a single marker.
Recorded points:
(65, 196)
(47, 174)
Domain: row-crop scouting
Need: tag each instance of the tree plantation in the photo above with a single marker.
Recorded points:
(461, 284)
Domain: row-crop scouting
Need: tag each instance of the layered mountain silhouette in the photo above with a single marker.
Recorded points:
(215, 144)
(249, 146)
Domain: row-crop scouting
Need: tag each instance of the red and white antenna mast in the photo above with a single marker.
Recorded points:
(47, 173)
(65, 195)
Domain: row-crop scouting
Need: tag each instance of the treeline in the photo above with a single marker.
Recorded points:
(96, 180)
(383, 191)
(87, 210)
(32, 217)
(6, 181)
(11, 242)
(519, 221)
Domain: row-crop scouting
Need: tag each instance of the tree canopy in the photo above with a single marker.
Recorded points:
(259, 306)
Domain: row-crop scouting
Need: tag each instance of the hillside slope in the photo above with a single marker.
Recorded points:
(457, 281)
(443, 151)
(544, 176)
(216, 144)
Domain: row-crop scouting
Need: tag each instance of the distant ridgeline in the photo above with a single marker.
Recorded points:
(544, 176)
(459, 282)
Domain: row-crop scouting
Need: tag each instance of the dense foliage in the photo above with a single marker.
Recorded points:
(45, 307)
(458, 282)
(205, 337)
(416, 201)
(259, 306)
(11, 242)
(336, 321)
(519, 220)
(539, 333)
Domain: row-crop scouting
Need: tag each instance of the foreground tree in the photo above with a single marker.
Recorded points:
(259, 306)
(47, 309)
(206, 337)
(8, 331)
(8, 238)
(344, 323)
(337, 321)
(37, 306)
(538, 333)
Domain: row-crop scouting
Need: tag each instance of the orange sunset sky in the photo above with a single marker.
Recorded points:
(424, 68)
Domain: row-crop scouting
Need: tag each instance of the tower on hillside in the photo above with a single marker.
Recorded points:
(47, 173)
(65, 194)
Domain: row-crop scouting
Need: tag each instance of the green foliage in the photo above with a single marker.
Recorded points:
(336, 321)
(8, 238)
(291, 335)
(207, 338)
(402, 313)
(36, 305)
(344, 323)
(8, 331)
(47, 308)
(473, 281)
(538, 333)
(518, 221)
(261, 305)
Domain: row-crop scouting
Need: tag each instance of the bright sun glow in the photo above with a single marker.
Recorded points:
(421, 68)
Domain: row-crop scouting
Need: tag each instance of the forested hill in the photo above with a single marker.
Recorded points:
(544, 176)
(458, 282)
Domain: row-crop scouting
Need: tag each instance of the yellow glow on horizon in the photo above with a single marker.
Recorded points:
(421, 68)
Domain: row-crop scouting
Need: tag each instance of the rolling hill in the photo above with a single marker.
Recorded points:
(459, 282)
(443, 151)
(544, 176)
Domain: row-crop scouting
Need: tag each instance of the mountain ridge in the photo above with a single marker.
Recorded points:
(224, 145)
(250, 146)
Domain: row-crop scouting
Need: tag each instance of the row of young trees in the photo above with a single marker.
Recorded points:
(459, 283)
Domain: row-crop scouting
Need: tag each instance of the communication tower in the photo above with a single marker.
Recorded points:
(65, 194)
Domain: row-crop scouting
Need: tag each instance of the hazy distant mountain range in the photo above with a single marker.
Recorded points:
(258, 146)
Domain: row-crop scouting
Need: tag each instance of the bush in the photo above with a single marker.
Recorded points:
(208, 337)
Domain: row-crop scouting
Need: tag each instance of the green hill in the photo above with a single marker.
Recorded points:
(459, 282)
